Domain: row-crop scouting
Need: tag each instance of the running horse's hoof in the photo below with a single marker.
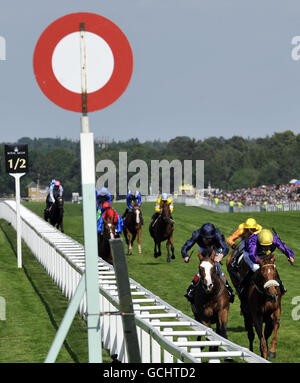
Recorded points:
(271, 355)
(158, 254)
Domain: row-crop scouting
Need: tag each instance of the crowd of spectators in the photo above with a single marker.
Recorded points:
(271, 195)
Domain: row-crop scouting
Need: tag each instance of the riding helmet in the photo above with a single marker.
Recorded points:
(265, 237)
(106, 205)
(57, 183)
(164, 197)
(250, 223)
(208, 230)
(103, 191)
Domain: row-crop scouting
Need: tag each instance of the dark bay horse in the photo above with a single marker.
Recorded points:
(56, 213)
(162, 230)
(237, 273)
(133, 228)
(211, 302)
(264, 306)
(109, 232)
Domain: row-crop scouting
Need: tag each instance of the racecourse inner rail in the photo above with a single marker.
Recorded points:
(165, 334)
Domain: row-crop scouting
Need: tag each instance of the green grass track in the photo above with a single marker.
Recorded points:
(167, 280)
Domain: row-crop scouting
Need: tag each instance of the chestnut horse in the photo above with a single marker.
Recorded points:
(162, 230)
(211, 302)
(132, 228)
(109, 232)
(264, 306)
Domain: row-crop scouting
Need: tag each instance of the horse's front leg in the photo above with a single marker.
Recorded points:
(275, 325)
(172, 246)
(248, 325)
(62, 226)
(157, 252)
(168, 251)
(258, 323)
(129, 243)
(139, 236)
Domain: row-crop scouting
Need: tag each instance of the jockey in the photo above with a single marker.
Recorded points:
(205, 237)
(258, 245)
(161, 200)
(244, 231)
(108, 211)
(103, 196)
(55, 188)
(133, 197)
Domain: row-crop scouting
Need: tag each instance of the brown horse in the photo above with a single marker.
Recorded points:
(132, 228)
(264, 306)
(109, 232)
(211, 303)
(162, 230)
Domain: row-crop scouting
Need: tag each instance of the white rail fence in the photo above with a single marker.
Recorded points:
(165, 334)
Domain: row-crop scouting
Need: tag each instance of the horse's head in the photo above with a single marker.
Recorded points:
(137, 213)
(266, 276)
(110, 227)
(165, 212)
(59, 201)
(207, 269)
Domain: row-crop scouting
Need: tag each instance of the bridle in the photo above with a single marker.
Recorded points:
(110, 230)
(269, 283)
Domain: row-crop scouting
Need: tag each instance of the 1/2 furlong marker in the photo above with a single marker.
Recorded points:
(52, 52)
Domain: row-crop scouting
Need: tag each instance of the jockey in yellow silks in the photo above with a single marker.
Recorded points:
(164, 199)
(161, 200)
(244, 231)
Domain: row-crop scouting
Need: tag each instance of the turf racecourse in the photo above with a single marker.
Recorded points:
(170, 280)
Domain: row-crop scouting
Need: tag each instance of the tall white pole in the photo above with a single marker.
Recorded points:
(17, 177)
(89, 218)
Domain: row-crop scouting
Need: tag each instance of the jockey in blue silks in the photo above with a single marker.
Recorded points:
(102, 196)
(207, 236)
(133, 197)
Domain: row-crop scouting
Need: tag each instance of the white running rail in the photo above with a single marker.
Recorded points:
(165, 334)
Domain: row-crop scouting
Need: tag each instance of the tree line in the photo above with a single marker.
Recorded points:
(230, 164)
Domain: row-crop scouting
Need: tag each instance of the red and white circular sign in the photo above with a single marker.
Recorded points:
(57, 67)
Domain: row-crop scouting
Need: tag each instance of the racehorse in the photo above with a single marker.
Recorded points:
(211, 301)
(132, 228)
(238, 272)
(56, 213)
(109, 232)
(264, 306)
(162, 230)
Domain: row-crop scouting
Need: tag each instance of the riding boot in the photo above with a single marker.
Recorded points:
(228, 288)
(230, 292)
(142, 219)
(283, 290)
(190, 292)
(234, 260)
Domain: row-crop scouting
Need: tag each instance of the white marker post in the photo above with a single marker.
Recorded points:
(89, 218)
(17, 177)
(16, 161)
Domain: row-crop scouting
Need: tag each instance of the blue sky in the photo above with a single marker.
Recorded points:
(201, 69)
